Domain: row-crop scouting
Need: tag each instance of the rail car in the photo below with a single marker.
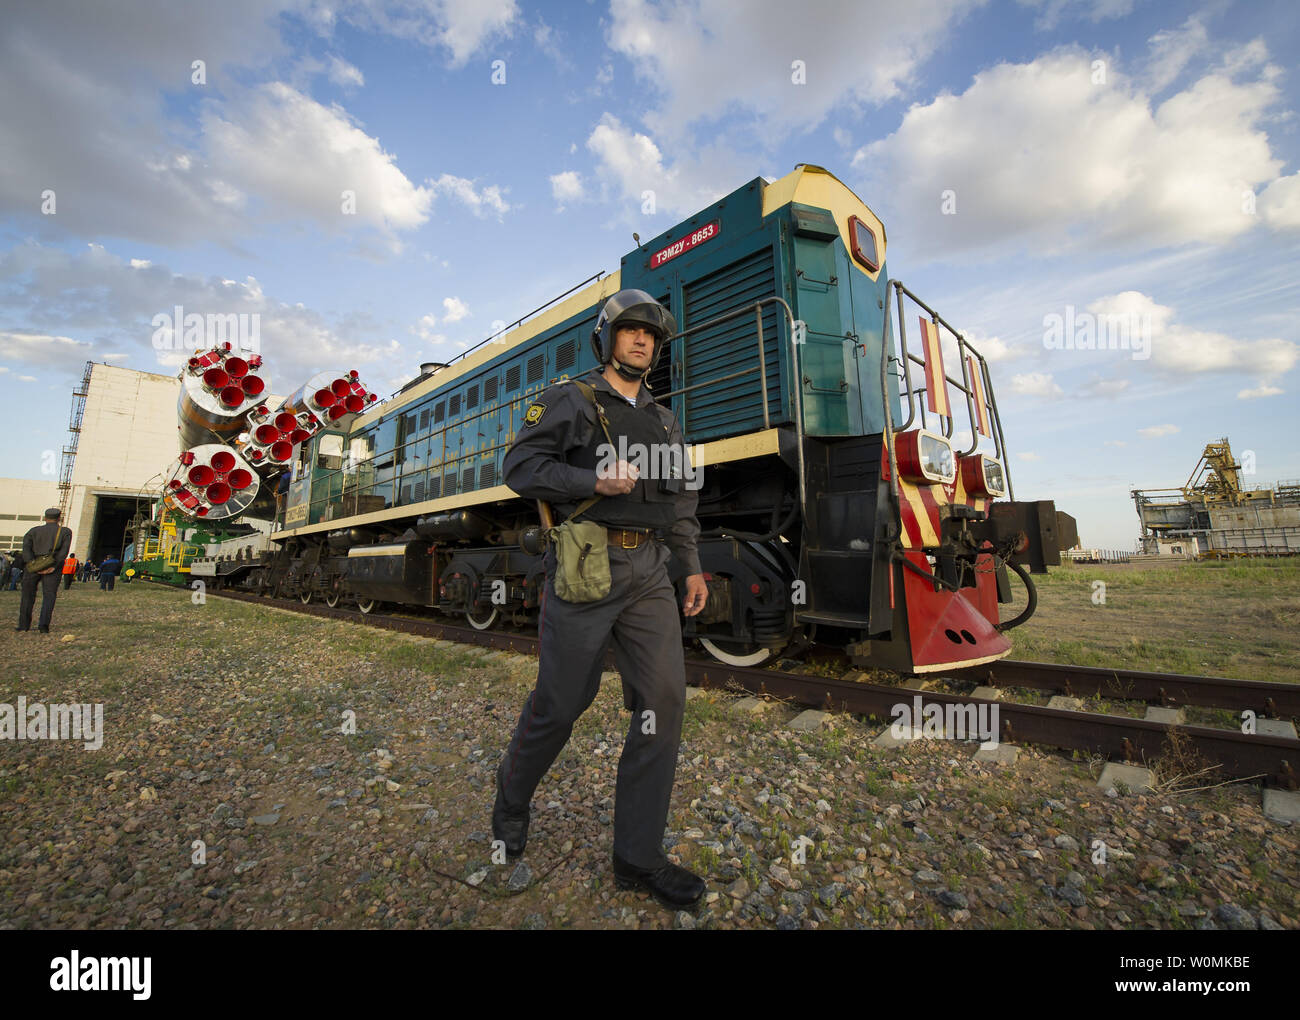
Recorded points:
(836, 503)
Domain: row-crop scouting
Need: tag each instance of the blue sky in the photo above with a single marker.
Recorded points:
(1028, 159)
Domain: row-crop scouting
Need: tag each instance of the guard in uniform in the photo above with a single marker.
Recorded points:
(555, 457)
(41, 541)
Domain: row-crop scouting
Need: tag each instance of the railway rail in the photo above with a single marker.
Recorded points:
(1273, 759)
(1171, 690)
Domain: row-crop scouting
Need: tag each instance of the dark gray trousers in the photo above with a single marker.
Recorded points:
(642, 619)
(49, 585)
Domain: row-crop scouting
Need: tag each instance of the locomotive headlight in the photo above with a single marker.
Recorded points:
(983, 476)
(925, 458)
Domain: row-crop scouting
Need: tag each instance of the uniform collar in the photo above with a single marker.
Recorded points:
(598, 381)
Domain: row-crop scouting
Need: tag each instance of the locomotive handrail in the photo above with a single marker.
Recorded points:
(965, 385)
(597, 277)
(445, 462)
(761, 368)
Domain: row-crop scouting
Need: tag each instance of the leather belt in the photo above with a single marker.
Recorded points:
(625, 538)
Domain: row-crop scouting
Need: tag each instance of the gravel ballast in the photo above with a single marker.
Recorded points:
(261, 769)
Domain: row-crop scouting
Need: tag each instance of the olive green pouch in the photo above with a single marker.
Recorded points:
(582, 560)
(581, 547)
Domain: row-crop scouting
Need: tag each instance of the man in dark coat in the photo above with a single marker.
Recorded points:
(40, 541)
(564, 453)
(108, 572)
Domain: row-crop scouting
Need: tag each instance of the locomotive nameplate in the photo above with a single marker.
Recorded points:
(685, 243)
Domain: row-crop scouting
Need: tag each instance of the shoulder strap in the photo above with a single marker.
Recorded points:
(590, 393)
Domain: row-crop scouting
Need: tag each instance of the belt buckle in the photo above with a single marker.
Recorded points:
(623, 539)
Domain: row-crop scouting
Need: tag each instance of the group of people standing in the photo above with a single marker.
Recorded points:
(45, 557)
(104, 572)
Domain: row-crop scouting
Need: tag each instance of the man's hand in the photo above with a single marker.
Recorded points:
(697, 593)
(617, 480)
(47, 570)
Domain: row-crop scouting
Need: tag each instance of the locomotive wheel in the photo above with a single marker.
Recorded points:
(304, 597)
(367, 605)
(483, 621)
(732, 653)
(332, 599)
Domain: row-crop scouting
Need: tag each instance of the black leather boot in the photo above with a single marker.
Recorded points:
(510, 825)
(674, 887)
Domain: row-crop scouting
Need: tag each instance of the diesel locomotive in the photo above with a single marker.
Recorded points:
(854, 484)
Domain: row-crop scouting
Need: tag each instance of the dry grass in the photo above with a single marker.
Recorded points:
(1240, 620)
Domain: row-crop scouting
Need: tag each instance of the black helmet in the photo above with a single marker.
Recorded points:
(631, 308)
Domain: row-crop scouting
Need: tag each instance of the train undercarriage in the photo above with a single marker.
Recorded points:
(778, 578)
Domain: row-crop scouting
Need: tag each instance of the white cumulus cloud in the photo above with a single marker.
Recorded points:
(345, 74)
(567, 187)
(708, 57)
(463, 27)
(1156, 431)
(1093, 163)
(1263, 390)
(1184, 349)
(479, 201)
(632, 164)
(1035, 384)
(1280, 203)
(454, 308)
(263, 144)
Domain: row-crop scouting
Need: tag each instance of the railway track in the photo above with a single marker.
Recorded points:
(1273, 759)
(1171, 690)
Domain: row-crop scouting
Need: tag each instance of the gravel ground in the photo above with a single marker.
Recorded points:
(223, 725)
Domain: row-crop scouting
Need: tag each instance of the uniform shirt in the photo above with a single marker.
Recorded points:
(536, 464)
(48, 537)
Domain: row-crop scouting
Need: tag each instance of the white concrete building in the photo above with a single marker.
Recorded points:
(127, 434)
(125, 439)
(23, 501)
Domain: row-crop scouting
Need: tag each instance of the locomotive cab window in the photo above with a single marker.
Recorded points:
(329, 451)
(863, 240)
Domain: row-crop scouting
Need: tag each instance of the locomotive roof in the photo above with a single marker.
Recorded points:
(807, 184)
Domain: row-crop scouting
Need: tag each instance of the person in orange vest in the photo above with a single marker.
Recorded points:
(69, 571)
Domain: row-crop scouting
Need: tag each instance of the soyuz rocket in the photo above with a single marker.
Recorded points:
(231, 441)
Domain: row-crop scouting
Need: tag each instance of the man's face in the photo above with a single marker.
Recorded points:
(634, 346)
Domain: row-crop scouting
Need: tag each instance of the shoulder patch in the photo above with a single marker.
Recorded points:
(534, 414)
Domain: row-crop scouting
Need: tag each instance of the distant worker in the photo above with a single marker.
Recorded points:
(69, 571)
(45, 548)
(4, 569)
(15, 571)
(108, 572)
